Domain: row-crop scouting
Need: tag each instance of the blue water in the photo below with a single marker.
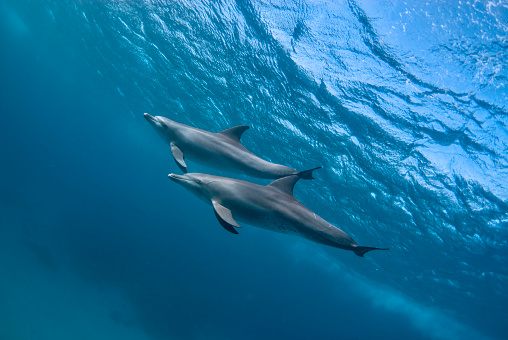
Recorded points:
(404, 104)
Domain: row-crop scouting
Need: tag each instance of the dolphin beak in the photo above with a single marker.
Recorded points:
(151, 119)
(176, 178)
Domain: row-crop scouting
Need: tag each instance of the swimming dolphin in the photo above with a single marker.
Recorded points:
(222, 150)
(271, 207)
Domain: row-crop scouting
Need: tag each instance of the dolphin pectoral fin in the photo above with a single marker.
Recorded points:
(225, 224)
(235, 133)
(225, 218)
(178, 156)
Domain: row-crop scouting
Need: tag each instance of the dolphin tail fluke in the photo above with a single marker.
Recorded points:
(360, 251)
(307, 174)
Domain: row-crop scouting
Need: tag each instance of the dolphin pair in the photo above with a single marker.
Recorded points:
(271, 207)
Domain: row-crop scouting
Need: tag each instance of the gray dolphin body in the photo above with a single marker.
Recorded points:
(222, 150)
(271, 207)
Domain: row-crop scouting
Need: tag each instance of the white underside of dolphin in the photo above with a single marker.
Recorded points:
(222, 150)
(271, 207)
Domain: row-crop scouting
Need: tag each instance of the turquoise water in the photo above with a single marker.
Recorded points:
(403, 104)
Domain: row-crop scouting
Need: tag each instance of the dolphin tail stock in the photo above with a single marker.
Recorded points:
(307, 174)
(360, 251)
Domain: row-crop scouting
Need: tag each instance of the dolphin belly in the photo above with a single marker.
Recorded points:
(277, 223)
(294, 219)
(267, 220)
(233, 160)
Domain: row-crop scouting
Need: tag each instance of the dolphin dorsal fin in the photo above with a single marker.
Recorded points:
(235, 133)
(285, 184)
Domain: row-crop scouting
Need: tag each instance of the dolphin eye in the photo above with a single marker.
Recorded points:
(198, 181)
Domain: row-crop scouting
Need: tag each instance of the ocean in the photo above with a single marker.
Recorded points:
(402, 103)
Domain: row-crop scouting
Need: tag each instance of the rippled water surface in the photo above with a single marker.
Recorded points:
(403, 104)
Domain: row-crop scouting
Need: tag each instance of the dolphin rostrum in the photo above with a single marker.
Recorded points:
(222, 150)
(271, 207)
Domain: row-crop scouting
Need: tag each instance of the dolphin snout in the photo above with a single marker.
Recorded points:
(150, 118)
(176, 178)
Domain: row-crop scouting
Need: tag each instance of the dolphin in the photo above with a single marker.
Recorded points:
(222, 150)
(271, 207)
